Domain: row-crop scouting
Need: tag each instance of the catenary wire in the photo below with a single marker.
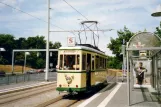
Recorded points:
(33, 16)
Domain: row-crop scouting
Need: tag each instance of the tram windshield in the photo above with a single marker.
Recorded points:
(69, 62)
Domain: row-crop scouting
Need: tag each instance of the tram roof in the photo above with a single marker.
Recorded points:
(82, 48)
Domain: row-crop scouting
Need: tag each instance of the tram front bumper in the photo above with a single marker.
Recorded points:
(70, 89)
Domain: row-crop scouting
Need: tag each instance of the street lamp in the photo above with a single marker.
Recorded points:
(26, 53)
(2, 49)
(157, 13)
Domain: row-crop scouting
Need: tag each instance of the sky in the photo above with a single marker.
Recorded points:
(111, 14)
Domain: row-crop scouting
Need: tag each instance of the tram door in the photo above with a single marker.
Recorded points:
(88, 73)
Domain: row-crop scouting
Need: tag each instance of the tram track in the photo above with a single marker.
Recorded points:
(44, 96)
(49, 102)
(9, 98)
(67, 100)
(14, 98)
(18, 89)
(60, 101)
(63, 103)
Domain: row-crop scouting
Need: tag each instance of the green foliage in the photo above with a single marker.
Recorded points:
(56, 45)
(35, 59)
(113, 63)
(158, 31)
(53, 58)
(37, 42)
(40, 63)
(7, 41)
(116, 45)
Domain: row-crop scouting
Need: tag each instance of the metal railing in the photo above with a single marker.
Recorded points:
(111, 76)
(115, 76)
(9, 79)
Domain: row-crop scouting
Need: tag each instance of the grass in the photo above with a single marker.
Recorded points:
(17, 68)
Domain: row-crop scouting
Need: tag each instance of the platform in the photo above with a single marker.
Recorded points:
(117, 97)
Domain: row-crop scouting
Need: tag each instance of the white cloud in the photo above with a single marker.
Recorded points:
(19, 16)
(109, 13)
(13, 3)
(60, 6)
(9, 2)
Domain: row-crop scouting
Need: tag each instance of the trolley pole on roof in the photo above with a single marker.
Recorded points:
(47, 44)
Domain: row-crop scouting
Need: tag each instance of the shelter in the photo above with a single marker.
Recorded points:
(144, 47)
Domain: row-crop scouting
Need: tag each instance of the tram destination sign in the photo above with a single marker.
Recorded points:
(71, 41)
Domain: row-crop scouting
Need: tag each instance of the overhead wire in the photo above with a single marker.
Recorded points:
(33, 16)
(75, 9)
(81, 15)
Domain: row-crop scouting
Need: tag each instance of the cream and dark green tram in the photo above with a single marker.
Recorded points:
(80, 68)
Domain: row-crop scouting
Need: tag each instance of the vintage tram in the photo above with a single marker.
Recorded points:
(80, 68)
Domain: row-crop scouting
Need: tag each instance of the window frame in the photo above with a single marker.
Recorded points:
(84, 53)
(64, 61)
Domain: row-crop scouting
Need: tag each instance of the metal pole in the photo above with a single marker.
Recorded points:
(155, 71)
(24, 63)
(157, 75)
(123, 72)
(123, 52)
(47, 44)
(12, 62)
(131, 72)
(128, 82)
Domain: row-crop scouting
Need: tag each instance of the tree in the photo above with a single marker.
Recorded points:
(35, 59)
(20, 43)
(40, 63)
(7, 41)
(158, 31)
(19, 56)
(53, 58)
(116, 44)
(37, 42)
(113, 62)
(56, 45)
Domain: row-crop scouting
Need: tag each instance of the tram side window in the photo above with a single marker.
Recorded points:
(105, 63)
(100, 63)
(93, 62)
(61, 62)
(83, 62)
(97, 62)
(69, 62)
(77, 66)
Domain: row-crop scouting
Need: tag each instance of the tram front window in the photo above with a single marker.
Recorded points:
(69, 62)
(61, 62)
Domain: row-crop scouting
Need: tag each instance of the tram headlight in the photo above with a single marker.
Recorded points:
(77, 86)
